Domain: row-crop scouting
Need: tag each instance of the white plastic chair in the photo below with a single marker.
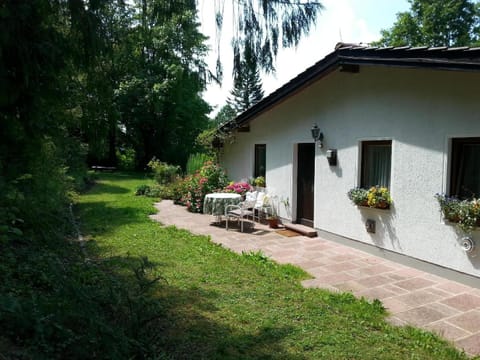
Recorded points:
(260, 206)
(242, 210)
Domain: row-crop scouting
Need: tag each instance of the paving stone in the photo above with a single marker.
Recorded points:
(420, 316)
(394, 306)
(417, 298)
(463, 302)
(373, 281)
(469, 321)
(342, 266)
(471, 344)
(446, 330)
(376, 293)
(351, 286)
(414, 283)
(453, 287)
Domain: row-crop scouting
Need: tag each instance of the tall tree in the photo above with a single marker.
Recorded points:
(264, 26)
(434, 23)
(247, 84)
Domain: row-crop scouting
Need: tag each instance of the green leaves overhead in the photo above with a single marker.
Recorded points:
(435, 23)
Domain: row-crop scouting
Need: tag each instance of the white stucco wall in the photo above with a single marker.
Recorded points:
(419, 110)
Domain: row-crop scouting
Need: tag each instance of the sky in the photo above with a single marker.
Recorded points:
(351, 21)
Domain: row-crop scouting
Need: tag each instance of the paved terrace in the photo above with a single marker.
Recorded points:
(411, 296)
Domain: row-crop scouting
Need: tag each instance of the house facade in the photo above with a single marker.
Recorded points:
(404, 118)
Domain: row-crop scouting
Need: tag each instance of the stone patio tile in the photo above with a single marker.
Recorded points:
(420, 316)
(375, 293)
(351, 286)
(393, 305)
(308, 264)
(469, 321)
(342, 266)
(414, 283)
(319, 271)
(471, 344)
(440, 293)
(374, 281)
(334, 278)
(463, 302)
(376, 269)
(447, 311)
(446, 330)
(343, 257)
(372, 260)
(395, 289)
(417, 298)
(453, 287)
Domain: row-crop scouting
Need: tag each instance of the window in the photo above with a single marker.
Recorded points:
(376, 163)
(465, 168)
(260, 160)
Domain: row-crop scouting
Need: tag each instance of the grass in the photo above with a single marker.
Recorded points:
(219, 305)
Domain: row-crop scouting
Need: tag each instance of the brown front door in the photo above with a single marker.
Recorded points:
(305, 183)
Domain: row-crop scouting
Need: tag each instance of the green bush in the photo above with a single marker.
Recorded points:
(191, 191)
(126, 159)
(163, 173)
(196, 161)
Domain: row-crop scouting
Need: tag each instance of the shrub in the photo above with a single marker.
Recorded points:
(191, 191)
(196, 161)
(163, 173)
(126, 159)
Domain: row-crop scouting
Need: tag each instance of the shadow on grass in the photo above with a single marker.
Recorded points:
(173, 323)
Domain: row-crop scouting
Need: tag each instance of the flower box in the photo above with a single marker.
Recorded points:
(464, 213)
(376, 197)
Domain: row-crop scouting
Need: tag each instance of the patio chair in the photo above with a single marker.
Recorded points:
(260, 206)
(242, 210)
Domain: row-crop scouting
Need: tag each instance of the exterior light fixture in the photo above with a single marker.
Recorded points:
(317, 135)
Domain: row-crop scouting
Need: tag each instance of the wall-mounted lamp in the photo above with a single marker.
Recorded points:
(317, 135)
(332, 157)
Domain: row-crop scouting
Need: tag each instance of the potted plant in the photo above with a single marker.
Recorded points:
(465, 213)
(376, 197)
(270, 204)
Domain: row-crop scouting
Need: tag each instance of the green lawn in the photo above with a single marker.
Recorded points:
(210, 303)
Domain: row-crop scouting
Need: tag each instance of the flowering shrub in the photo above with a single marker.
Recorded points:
(238, 187)
(192, 189)
(375, 197)
(466, 213)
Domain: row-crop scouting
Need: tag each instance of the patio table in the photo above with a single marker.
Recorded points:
(216, 203)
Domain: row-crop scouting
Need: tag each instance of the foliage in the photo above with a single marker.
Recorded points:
(259, 181)
(163, 173)
(465, 213)
(433, 23)
(271, 203)
(57, 304)
(196, 161)
(264, 26)
(247, 85)
(240, 187)
(192, 189)
(358, 196)
(217, 304)
(375, 197)
(224, 115)
(126, 159)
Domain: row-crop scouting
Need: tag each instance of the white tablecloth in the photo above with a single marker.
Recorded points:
(215, 203)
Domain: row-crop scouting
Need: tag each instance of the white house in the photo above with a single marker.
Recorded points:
(407, 118)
